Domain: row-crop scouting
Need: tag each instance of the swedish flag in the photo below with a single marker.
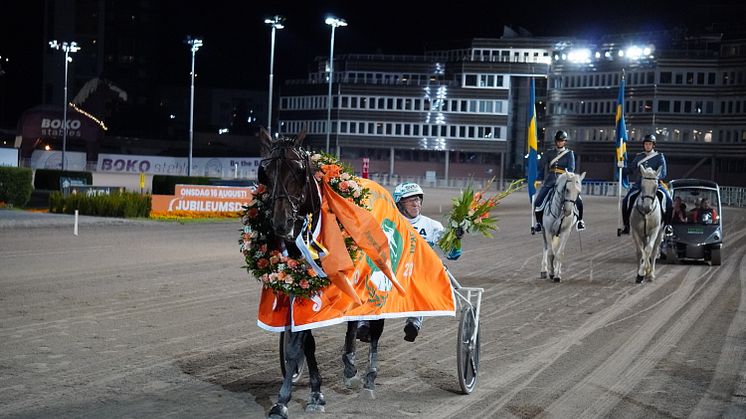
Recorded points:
(533, 144)
(621, 136)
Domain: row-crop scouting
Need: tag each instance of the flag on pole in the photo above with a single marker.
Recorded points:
(533, 144)
(621, 137)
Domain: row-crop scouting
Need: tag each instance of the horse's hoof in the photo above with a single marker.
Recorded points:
(556, 279)
(353, 382)
(315, 408)
(368, 394)
(639, 279)
(278, 411)
(543, 275)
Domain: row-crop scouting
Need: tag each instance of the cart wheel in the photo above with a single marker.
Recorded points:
(467, 351)
(301, 364)
(714, 257)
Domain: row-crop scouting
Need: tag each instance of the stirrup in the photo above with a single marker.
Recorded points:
(537, 227)
(580, 226)
(668, 230)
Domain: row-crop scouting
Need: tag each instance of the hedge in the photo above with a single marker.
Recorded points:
(15, 185)
(124, 204)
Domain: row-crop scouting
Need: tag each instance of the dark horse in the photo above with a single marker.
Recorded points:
(287, 173)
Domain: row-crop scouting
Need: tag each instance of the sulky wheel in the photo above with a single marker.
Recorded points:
(301, 364)
(467, 351)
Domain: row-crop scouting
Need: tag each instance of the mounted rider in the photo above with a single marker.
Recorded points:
(408, 197)
(556, 161)
(654, 160)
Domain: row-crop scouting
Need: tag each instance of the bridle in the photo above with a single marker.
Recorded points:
(642, 197)
(283, 163)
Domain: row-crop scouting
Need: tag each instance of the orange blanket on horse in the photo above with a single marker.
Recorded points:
(415, 285)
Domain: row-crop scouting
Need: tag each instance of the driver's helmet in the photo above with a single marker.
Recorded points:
(650, 138)
(407, 189)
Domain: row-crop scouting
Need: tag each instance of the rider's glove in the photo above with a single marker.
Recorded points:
(459, 232)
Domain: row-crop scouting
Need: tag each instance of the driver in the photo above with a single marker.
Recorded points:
(408, 197)
(654, 160)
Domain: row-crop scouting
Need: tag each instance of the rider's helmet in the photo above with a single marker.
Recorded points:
(560, 135)
(407, 189)
(650, 138)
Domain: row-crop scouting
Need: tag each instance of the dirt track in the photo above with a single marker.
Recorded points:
(145, 319)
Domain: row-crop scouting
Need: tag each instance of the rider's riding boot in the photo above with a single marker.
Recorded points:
(625, 230)
(537, 227)
(580, 226)
(411, 331)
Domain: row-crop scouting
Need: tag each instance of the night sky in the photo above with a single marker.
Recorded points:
(237, 42)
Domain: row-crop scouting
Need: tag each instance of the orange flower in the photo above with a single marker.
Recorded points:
(331, 171)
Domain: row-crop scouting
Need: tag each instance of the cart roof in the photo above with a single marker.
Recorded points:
(692, 183)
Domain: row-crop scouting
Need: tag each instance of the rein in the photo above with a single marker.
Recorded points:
(560, 214)
(653, 206)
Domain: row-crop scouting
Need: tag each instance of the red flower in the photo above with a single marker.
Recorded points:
(262, 263)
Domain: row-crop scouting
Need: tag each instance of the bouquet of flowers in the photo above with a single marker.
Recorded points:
(471, 214)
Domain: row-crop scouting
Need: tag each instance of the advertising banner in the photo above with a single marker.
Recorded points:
(202, 198)
(241, 167)
(9, 157)
(42, 159)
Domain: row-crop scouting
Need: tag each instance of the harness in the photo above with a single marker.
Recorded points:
(641, 199)
(560, 215)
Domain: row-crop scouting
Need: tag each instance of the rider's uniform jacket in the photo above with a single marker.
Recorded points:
(655, 161)
(552, 167)
(431, 230)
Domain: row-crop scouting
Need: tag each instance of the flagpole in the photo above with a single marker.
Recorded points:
(621, 151)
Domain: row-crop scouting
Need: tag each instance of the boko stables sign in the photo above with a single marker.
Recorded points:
(202, 199)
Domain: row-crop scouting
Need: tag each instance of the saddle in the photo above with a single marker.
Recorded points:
(547, 198)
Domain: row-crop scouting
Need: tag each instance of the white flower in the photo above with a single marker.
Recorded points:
(345, 176)
(316, 157)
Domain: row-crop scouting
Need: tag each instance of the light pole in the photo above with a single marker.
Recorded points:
(195, 43)
(67, 47)
(334, 23)
(277, 23)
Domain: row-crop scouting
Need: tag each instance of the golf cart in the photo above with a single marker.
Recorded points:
(697, 222)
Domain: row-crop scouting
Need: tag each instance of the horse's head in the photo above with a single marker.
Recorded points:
(647, 201)
(286, 172)
(570, 184)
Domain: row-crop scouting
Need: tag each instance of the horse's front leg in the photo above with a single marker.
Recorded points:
(369, 387)
(655, 252)
(293, 352)
(641, 257)
(351, 379)
(316, 399)
(559, 252)
(544, 255)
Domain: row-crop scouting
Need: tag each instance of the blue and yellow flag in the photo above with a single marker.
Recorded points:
(533, 144)
(621, 136)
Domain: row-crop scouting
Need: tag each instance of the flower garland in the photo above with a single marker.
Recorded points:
(279, 272)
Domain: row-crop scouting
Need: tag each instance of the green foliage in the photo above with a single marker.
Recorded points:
(166, 185)
(49, 179)
(124, 204)
(15, 185)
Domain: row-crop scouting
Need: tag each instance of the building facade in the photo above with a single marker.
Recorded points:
(460, 110)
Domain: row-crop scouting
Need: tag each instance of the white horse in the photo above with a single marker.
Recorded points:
(646, 224)
(560, 216)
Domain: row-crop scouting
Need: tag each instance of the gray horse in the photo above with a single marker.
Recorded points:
(560, 216)
(646, 224)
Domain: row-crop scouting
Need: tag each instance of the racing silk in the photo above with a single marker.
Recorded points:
(653, 160)
(552, 166)
(431, 230)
